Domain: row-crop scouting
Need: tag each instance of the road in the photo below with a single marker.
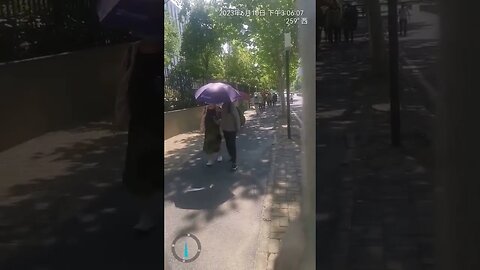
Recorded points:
(223, 209)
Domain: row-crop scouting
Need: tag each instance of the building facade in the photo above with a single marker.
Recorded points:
(173, 8)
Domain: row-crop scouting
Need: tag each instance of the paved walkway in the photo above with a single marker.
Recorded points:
(227, 211)
(282, 203)
(62, 204)
(375, 208)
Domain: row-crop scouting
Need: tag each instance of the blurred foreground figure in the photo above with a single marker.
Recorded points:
(458, 144)
(141, 110)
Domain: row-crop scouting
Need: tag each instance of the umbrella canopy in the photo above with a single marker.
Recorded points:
(144, 18)
(216, 93)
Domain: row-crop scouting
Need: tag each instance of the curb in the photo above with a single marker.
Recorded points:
(262, 255)
(281, 205)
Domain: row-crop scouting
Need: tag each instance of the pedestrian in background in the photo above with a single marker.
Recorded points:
(320, 22)
(142, 176)
(256, 101)
(262, 101)
(403, 15)
(350, 19)
(333, 21)
(210, 126)
(274, 99)
(230, 125)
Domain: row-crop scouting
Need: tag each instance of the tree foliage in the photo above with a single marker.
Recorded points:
(179, 88)
(172, 40)
(201, 43)
(246, 50)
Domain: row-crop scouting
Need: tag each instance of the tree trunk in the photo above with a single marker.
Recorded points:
(458, 145)
(376, 37)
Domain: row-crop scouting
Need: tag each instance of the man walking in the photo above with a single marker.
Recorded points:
(403, 15)
(350, 19)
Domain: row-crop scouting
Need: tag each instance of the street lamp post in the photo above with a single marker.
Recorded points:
(288, 45)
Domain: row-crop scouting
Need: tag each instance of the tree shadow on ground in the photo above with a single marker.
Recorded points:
(389, 186)
(78, 216)
(212, 191)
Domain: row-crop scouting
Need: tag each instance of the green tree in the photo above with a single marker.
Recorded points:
(201, 43)
(239, 63)
(266, 33)
(172, 40)
(179, 88)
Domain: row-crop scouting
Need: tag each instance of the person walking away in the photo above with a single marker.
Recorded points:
(403, 15)
(230, 125)
(320, 23)
(210, 125)
(274, 99)
(256, 101)
(329, 23)
(350, 20)
(260, 97)
(264, 97)
(142, 173)
(337, 23)
(269, 100)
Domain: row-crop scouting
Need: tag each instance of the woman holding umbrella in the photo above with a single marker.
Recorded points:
(216, 93)
(210, 125)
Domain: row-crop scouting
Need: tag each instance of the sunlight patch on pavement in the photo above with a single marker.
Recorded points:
(88, 197)
(42, 206)
(49, 241)
(330, 114)
(266, 128)
(93, 229)
(110, 210)
(102, 185)
(87, 218)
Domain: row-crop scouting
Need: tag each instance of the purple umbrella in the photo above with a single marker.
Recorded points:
(144, 18)
(216, 93)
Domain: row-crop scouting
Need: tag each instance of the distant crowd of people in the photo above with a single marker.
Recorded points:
(331, 19)
(261, 100)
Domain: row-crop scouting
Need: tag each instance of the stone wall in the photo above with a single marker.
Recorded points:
(50, 93)
(182, 121)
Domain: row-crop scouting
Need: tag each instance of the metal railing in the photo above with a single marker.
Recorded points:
(32, 28)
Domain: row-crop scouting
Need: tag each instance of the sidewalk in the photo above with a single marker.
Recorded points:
(282, 202)
(375, 203)
(239, 217)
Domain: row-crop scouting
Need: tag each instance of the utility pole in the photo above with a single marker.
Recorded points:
(394, 87)
(288, 45)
